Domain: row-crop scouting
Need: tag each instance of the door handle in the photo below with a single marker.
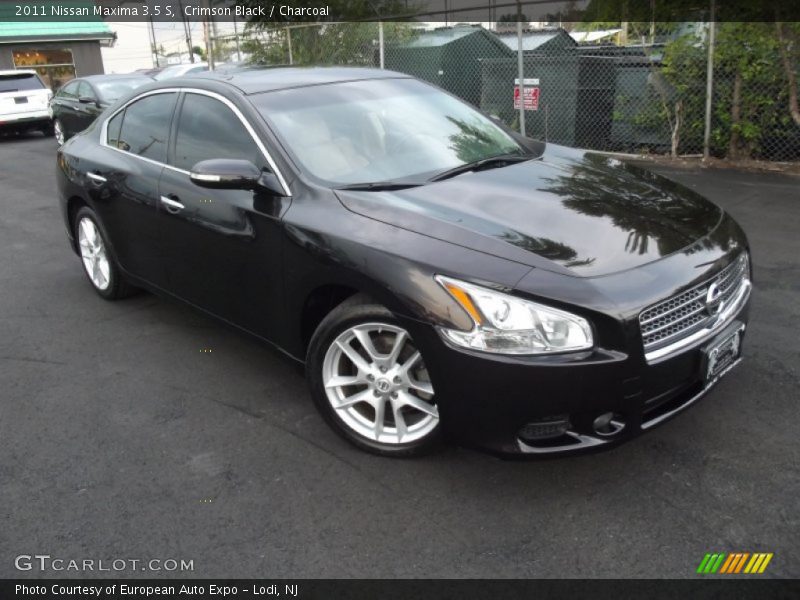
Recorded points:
(96, 177)
(172, 206)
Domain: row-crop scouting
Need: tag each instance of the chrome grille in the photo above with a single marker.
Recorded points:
(685, 313)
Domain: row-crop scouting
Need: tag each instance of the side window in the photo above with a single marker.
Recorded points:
(86, 91)
(209, 129)
(70, 90)
(145, 128)
(113, 129)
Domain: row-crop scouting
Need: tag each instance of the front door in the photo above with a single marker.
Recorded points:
(221, 248)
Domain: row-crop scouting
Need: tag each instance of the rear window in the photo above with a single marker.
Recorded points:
(18, 82)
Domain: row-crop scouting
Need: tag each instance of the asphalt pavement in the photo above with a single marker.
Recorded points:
(121, 439)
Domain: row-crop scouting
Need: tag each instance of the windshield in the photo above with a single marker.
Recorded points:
(380, 130)
(16, 82)
(112, 89)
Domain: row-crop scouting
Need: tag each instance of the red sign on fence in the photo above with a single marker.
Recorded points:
(531, 94)
(531, 98)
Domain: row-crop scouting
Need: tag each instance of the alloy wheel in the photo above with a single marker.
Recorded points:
(93, 254)
(378, 385)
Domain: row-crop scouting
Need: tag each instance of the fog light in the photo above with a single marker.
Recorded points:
(546, 429)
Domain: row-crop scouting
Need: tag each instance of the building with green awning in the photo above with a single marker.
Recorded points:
(57, 50)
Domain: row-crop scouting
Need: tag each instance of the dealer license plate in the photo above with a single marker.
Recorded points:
(722, 354)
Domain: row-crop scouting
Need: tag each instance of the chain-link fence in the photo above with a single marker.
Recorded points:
(640, 87)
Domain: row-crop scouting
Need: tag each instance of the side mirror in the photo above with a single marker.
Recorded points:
(225, 174)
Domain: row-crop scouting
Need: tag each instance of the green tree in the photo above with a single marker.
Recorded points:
(326, 42)
(751, 102)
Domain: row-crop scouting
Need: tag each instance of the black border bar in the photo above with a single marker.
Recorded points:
(445, 11)
(730, 588)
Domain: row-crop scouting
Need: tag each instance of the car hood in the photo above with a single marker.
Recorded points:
(570, 211)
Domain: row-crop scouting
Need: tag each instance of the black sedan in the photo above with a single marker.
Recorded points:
(76, 105)
(439, 276)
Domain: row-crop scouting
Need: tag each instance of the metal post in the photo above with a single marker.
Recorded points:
(380, 41)
(709, 83)
(236, 37)
(520, 71)
(289, 43)
(546, 122)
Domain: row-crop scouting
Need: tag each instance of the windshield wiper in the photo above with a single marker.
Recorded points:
(380, 186)
(479, 165)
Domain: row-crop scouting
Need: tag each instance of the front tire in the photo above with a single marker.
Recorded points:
(369, 381)
(58, 132)
(99, 262)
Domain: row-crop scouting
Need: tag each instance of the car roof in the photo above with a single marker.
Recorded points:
(112, 76)
(185, 66)
(258, 80)
(18, 71)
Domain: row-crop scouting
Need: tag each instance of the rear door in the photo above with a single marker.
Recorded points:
(124, 181)
(222, 248)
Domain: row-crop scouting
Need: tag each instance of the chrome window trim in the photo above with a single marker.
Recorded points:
(724, 318)
(224, 100)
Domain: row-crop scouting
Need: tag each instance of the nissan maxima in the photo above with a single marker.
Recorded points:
(439, 276)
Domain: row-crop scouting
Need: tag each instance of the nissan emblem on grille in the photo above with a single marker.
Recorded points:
(714, 301)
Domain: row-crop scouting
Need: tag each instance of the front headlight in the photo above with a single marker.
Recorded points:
(505, 324)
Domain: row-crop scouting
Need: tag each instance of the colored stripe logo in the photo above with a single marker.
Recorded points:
(732, 563)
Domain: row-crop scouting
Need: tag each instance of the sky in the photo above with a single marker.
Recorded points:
(132, 48)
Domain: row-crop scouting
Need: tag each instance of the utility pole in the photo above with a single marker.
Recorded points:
(236, 37)
(709, 83)
(187, 31)
(151, 32)
(209, 42)
(214, 31)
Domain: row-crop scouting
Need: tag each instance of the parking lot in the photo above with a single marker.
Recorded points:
(122, 439)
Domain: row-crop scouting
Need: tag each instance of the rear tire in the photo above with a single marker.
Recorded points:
(99, 263)
(370, 383)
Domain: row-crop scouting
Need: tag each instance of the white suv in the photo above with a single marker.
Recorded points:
(24, 102)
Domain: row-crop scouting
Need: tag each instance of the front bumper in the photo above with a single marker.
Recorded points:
(487, 401)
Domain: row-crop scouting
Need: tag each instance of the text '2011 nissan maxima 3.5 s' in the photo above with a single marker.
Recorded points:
(440, 276)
